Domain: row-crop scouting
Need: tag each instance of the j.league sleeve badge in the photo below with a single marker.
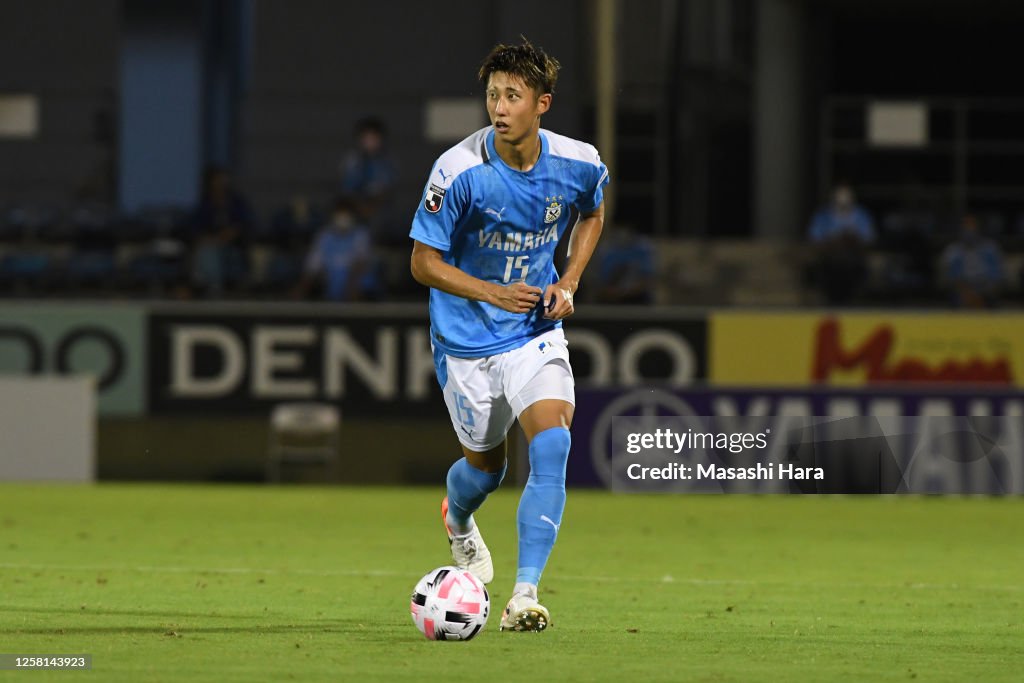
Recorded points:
(435, 195)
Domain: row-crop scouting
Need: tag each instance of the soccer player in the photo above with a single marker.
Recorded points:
(493, 210)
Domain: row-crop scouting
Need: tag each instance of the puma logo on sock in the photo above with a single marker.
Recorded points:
(545, 518)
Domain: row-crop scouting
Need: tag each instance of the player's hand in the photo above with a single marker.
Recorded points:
(558, 302)
(517, 297)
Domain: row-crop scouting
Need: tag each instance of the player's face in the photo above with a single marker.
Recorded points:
(514, 107)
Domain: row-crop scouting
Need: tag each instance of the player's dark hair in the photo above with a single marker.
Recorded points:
(527, 62)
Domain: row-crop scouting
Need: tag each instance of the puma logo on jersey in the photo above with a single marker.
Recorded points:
(444, 176)
(496, 214)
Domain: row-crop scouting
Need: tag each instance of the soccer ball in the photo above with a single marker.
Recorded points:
(450, 604)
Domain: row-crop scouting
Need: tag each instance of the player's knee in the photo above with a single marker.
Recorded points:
(463, 475)
(491, 461)
(496, 477)
(549, 453)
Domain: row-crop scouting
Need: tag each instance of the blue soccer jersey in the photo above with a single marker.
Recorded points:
(501, 225)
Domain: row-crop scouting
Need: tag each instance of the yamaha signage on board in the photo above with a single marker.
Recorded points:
(375, 360)
(948, 441)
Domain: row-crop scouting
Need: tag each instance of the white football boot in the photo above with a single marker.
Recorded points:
(524, 613)
(469, 550)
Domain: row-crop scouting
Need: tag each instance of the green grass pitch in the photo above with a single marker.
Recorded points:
(240, 583)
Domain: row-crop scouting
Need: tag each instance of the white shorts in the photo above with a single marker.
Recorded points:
(485, 395)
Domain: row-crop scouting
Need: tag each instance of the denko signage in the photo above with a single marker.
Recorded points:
(243, 358)
(373, 360)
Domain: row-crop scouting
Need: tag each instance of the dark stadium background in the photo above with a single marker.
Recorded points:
(726, 124)
(211, 470)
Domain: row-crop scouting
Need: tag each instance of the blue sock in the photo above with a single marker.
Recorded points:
(540, 508)
(467, 490)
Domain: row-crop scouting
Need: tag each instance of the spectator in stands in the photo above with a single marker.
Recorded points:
(367, 172)
(625, 268)
(841, 233)
(221, 226)
(295, 223)
(973, 267)
(341, 259)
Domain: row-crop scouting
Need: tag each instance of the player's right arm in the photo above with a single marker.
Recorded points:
(445, 205)
(429, 269)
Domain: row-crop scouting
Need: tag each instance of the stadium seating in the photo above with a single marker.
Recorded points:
(88, 250)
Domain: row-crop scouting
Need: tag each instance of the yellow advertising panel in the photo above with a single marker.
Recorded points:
(857, 349)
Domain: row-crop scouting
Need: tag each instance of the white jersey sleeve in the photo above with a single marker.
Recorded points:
(447, 196)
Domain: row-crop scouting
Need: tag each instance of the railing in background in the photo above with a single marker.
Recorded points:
(949, 157)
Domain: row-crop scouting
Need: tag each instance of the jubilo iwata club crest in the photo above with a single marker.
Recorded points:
(552, 212)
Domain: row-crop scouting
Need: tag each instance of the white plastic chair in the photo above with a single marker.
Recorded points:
(304, 434)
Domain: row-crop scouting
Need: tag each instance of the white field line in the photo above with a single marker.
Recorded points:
(264, 571)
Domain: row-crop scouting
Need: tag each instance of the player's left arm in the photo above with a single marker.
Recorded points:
(558, 298)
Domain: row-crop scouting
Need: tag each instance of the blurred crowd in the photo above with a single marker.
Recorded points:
(219, 248)
(910, 258)
(351, 249)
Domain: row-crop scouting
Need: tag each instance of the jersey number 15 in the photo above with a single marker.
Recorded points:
(520, 263)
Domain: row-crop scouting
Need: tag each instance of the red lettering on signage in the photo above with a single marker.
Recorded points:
(873, 355)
